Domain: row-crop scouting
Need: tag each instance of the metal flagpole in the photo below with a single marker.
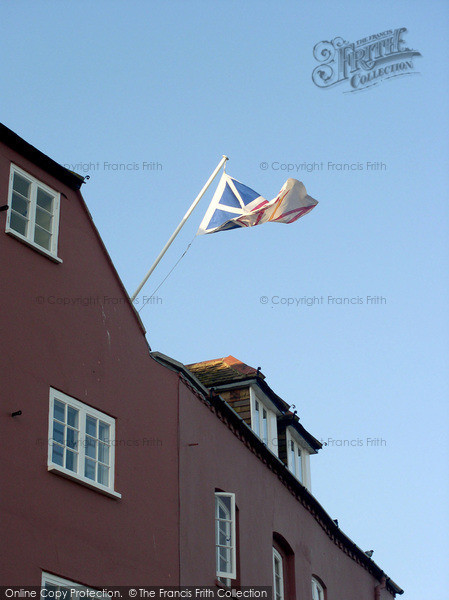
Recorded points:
(181, 224)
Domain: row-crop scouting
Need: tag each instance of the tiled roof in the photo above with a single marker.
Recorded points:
(221, 371)
(225, 371)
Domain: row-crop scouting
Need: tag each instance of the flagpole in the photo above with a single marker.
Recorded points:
(180, 226)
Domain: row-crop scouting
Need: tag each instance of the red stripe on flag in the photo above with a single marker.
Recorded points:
(260, 205)
(301, 211)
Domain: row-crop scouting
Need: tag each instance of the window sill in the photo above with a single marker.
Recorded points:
(69, 475)
(36, 247)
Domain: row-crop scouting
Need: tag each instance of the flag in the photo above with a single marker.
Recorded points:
(236, 205)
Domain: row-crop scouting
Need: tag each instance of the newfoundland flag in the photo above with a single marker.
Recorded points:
(236, 205)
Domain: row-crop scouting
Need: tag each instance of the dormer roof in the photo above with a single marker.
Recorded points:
(224, 373)
(221, 371)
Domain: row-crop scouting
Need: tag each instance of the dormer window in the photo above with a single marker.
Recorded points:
(33, 214)
(298, 457)
(263, 421)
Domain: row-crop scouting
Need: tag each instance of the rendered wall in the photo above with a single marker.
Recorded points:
(221, 460)
(96, 353)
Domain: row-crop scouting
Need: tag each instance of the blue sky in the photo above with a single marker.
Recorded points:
(180, 84)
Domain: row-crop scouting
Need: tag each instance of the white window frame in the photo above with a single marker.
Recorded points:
(258, 407)
(66, 584)
(84, 411)
(305, 459)
(29, 238)
(232, 572)
(277, 557)
(60, 582)
(317, 590)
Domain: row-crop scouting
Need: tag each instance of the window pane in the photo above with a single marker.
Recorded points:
(43, 218)
(58, 455)
(59, 411)
(18, 223)
(72, 438)
(224, 534)
(72, 417)
(225, 560)
(103, 475)
(21, 185)
(89, 469)
(58, 432)
(292, 458)
(71, 460)
(276, 566)
(42, 237)
(256, 418)
(91, 426)
(19, 204)
(225, 505)
(277, 587)
(91, 447)
(103, 453)
(44, 200)
(53, 588)
(265, 426)
(103, 432)
(299, 465)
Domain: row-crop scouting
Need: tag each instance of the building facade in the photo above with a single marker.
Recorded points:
(121, 466)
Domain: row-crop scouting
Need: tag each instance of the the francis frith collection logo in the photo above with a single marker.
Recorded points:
(364, 63)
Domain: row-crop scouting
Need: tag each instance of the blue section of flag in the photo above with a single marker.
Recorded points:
(229, 198)
(219, 217)
(231, 226)
(247, 194)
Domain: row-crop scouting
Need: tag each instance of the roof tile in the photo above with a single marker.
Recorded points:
(220, 371)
